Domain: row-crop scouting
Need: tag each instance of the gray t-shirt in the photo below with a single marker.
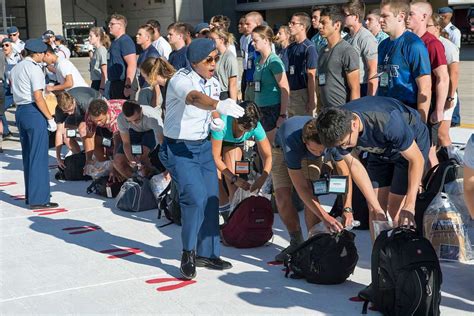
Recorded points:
(333, 64)
(366, 45)
(99, 58)
(227, 67)
(151, 120)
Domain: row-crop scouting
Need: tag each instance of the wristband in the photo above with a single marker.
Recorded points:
(282, 115)
(449, 99)
(128, 86)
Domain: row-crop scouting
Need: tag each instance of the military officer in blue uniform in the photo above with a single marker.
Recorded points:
(33, 120)
(192, 95)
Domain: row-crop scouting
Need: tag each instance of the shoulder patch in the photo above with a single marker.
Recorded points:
(184, 71)
(452, 27)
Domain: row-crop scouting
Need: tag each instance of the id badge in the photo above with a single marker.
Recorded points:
(242, 167)
(137, 150)
(320, 187)
(338, 185)
(322, 79)
(108, 190)
(257, 86)
(106, 142)
(292, 70)
(249, 63)
(384, 79)
(70, 133)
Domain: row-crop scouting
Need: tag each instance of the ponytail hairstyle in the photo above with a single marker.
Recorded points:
(103, 37)
(157, 67)
(265, 32)
(228, 38)
(251, 116)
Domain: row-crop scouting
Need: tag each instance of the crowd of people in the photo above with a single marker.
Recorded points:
(378, 86)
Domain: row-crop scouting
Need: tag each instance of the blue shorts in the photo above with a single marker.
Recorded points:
(146, 139)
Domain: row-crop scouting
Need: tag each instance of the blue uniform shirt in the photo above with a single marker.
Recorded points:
(116, 66)
(389, 126)
(178, 58)
(301, 56)
(26, 77)
(400, 62)
(289, 138)
(252, 55)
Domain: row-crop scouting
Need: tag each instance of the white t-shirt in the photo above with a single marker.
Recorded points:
(65, 67)
(162, 46)
(151, 120)
(452, 56)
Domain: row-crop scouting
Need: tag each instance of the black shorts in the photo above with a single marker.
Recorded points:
(146, 139)
(229, 144)
(269, 116)
(73, 120)
(384, 172)
(433, 133)
(116, 90)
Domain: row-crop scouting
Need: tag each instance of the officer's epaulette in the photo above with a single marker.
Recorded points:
(185, 71)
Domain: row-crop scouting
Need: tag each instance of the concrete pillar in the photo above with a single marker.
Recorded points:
(190, 11)
(44, 15)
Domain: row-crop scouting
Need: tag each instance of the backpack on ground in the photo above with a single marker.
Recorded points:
(136, 195)
(324, 258)
(406, 275)
(168, 203)
(250, 224)
(432, 184)
(103, 187)
(74, 170)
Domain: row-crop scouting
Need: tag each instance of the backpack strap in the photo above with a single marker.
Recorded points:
(364, 308)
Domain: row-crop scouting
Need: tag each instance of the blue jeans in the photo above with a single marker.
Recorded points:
(192, 166)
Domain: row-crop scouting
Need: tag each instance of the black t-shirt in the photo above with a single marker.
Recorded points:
(83, 97)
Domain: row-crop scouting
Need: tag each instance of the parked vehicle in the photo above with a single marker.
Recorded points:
(76, 34)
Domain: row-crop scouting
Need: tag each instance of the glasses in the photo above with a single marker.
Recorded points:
(347, 143)
(291, 23)
(5, 45)
(13, 34)
(211, 59)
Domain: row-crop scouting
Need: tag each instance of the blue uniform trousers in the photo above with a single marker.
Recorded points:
(32, 126)
(192, 166)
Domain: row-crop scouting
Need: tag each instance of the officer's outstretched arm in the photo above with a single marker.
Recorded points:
(201, 100)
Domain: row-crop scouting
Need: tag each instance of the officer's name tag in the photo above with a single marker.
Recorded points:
(322, 79)
(70, 133)
(242, 167)
(137, 150)
(337, 184)
(106, 142)
(384, 79)
(257, 86)
(292, 70)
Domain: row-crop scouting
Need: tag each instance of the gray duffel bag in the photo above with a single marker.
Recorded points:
(136, 195)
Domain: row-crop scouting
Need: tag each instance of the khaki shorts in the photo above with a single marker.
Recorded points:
(298, 101)
(281, 179)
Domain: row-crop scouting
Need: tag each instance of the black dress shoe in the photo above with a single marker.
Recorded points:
(46, 205)
(188, 265)
(213, 263)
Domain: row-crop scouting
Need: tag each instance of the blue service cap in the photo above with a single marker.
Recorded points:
(6, 40)
(200, 27)
(35, 45)
(445, 10)
(199, 49)
(46, 35)
(12, 29)
(59, 37)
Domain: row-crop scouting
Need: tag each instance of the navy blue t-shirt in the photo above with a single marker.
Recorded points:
(283, 54)
(146, 53)
(178, 58)
(401, 61)
(289, 138)
(116, 66)
(301, 56)
(252, 56)
(389, 127)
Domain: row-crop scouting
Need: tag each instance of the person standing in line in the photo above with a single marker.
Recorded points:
(365, 44)
(404, 65)
(122, 62)
(227, 68)
(33, 120)
(144, 38)
(244, 44)
(98, 63)
(222, 22)
(417, 21)
(186, 153)
(302, 63)
(176, 37)
(252, 20)
(11, 58)
(284, 39)
(372, 22)
(159, 42)
(317, 39)
(14, 35)
(63, 51)
(338, 64)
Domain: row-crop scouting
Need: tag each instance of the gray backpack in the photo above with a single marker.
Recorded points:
(136, 195)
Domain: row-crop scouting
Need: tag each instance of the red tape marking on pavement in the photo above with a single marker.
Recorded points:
(50, 211)
(81, 229)
(4, 184)
(181, 283)
(356, 299)
(126, 252)
(275, 263)
(18, 197)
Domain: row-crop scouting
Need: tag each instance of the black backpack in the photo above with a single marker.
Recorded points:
(324, 258)
(433, 183)
(406, 275)
(103, 187)
(74, 170)
(168, 202)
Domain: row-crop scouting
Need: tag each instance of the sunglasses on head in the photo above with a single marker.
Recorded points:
(210, 59)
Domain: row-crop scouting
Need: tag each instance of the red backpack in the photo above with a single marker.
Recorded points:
(250, 225)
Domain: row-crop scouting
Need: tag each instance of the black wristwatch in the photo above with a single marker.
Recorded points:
(234, 179)
(128, 86)
(449, 99)
(348, 210)
(282, 115)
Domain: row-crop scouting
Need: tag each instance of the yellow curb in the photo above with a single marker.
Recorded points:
(467, 125)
